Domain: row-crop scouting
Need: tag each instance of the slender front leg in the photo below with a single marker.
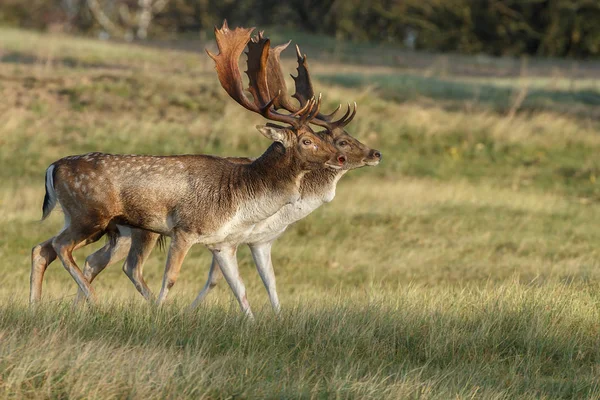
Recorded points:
(261, 253)
(226, 258)
(214, 275)
(177, 252)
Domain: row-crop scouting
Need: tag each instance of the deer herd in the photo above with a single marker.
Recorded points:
(219, 202)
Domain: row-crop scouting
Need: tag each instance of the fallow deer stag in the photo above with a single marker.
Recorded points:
(191, 198)
(317, 187)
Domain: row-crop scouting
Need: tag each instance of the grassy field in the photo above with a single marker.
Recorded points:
(464, 266)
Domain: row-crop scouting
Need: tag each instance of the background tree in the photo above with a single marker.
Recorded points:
(118, 19)
(559, 28)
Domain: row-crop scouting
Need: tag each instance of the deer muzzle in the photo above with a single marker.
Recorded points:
(373, 158)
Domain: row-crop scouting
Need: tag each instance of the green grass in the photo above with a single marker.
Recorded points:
(497, 342)
(464, 266)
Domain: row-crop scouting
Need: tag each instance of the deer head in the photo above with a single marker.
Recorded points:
(311, 150)
(357, 153)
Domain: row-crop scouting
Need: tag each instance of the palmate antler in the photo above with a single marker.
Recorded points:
(304, 90)
(231, 44)
(261, 75)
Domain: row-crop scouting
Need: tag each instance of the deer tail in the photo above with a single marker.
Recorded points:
(50, 197)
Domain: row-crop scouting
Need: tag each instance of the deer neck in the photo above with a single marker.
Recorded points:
(321, 184)
(278, 173)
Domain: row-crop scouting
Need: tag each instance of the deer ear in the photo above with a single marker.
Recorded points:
(280, 135)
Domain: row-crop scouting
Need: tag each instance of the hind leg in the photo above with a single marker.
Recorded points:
(41, 256)
(214, 275)
(96, 262)
(142, 243)
(65, 243)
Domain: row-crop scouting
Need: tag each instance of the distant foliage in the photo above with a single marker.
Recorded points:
(560, 28)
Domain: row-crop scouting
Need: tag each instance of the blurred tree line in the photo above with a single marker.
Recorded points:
(560, 28)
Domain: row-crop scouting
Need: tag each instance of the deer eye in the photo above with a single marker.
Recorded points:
(342, 143)
(306, 142)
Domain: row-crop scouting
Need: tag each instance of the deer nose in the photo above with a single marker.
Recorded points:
(376, 154)
(341, 159)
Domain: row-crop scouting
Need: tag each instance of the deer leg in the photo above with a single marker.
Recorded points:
(41, 256)
(64, 244)
(261, 253)
(214, 275)
(142, 243)
(227, 260)
(177, 252)
(96, 262)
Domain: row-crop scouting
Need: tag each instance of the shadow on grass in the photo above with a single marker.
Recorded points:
(406, 87)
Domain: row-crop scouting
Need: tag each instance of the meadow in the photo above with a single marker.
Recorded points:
(463, 266)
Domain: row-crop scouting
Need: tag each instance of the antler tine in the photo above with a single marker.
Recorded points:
(296, 119)
(317, 108)
(326, 120)
(266, 109)
(345, 120)
(306, 109)
(309, 114)
(345, 115)
(351, 117)
(329, 117)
